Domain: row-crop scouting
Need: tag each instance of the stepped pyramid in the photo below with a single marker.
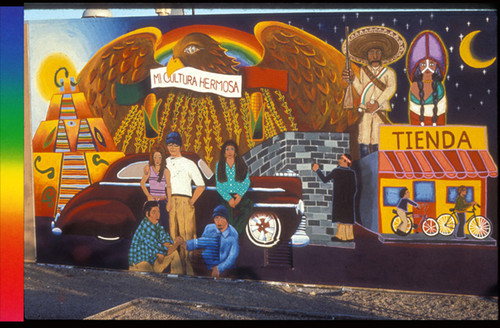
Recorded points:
(65, 148)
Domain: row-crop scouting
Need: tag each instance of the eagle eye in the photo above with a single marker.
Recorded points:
(191, 49)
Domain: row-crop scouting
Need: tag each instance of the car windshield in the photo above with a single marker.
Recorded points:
(132, 171)
(136, 170)
(205, 169)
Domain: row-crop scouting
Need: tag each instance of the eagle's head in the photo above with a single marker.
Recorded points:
(200, 51)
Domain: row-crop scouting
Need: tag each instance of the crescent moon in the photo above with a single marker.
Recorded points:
(468, 57)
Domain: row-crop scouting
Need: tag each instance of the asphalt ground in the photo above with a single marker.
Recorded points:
(58, 292)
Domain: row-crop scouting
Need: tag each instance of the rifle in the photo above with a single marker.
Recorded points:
(348, 98)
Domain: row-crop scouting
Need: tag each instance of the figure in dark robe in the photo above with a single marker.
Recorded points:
(344, 193)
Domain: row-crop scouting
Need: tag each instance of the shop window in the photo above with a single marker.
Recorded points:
(424, 191)
(451, 194)
(391, 195)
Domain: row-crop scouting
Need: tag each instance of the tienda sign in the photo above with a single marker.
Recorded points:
(398, 137)
(200, 81)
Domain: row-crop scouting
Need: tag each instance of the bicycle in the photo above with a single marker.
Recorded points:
(479, 227)
(429, 226)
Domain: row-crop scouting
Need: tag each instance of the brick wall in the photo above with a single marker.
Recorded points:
(295, 152)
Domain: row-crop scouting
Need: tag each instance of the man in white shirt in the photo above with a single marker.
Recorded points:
(181, 198)
(374, 47)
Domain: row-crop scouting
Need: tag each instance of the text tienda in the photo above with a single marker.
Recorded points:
(440, 139)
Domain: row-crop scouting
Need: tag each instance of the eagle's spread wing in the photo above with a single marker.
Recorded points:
(125, 61)
(314, 68)
(116, 85)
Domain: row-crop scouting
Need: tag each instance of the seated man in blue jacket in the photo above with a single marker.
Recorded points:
(219, 242)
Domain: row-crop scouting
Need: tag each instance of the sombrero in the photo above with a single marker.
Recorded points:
(392, 44)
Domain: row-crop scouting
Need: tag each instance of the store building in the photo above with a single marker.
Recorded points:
(432, 162)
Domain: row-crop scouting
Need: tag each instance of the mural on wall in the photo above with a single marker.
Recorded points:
(231, 146)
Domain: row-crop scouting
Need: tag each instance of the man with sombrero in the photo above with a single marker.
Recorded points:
(374, 47)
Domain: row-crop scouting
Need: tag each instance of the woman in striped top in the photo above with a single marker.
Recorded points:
(158, 177)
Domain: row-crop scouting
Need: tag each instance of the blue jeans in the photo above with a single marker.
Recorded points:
(164, 218)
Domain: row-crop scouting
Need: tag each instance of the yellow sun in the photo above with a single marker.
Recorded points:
(46, 75)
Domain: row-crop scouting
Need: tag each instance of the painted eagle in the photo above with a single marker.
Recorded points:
(116, 83)
(200, 51)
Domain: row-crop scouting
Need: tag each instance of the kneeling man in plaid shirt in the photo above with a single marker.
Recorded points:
(152, 249)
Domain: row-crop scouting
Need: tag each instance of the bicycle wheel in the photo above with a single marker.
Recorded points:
(479, 227)
(396, 221)
(430, 227)
(447, 224)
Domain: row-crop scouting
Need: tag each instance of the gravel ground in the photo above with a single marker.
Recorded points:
(65, 292)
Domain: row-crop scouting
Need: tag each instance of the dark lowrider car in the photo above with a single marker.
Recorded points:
(111, 209)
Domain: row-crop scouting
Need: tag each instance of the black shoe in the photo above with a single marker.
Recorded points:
(400, 233)
(336, 239)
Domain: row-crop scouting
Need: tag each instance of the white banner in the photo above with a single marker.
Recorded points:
(200, 81)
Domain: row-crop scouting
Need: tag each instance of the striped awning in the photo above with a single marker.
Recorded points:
(437, 164)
